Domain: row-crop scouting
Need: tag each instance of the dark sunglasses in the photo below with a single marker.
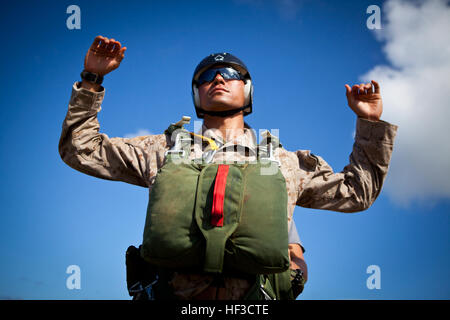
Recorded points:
(227, 73)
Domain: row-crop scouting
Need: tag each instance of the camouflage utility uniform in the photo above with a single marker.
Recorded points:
(310, 181)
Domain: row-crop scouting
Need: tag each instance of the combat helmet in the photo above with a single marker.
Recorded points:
(226, 59)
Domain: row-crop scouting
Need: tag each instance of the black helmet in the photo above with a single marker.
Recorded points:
(227, 59)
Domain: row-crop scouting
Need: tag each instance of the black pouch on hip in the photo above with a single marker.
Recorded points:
(140, 274)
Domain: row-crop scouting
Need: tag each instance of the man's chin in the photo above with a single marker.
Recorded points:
(221, 108)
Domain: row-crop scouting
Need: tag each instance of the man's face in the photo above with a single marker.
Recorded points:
(220, 94)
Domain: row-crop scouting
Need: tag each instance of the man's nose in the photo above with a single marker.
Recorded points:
(218, 78)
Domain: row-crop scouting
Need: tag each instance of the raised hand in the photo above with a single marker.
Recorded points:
(365, 102)
(104, 56)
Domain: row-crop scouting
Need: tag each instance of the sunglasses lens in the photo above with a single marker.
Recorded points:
(206, 76)
(226, 73)
(230, 74)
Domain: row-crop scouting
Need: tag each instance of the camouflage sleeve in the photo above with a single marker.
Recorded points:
(357, 186)
(82, 147)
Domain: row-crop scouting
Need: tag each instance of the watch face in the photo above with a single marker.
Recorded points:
(297, 275)
(92, 77)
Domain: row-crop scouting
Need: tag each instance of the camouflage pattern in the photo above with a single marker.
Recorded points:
(310, 181)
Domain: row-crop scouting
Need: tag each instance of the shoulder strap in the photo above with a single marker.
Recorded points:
(180, 137)
(267, 146)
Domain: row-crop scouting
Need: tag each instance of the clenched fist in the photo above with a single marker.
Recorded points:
(365, 102)
(104, 56)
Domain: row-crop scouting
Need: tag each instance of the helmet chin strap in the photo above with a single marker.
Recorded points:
(224, 113)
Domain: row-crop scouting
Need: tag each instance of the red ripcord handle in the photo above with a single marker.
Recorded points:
(219, 195)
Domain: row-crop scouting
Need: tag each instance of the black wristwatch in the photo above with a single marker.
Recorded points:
(91, 77)
(297, 282)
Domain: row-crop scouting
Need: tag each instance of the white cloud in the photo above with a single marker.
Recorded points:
(416, 97)
(140, 132)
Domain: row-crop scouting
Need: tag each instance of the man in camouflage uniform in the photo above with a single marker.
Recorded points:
(310, 181)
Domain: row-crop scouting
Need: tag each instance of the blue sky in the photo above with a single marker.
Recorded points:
(300, 55)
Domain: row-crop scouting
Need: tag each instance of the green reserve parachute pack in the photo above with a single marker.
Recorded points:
(215, 217)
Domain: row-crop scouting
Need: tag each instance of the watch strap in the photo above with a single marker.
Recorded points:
(91, 77)
(297, 282)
